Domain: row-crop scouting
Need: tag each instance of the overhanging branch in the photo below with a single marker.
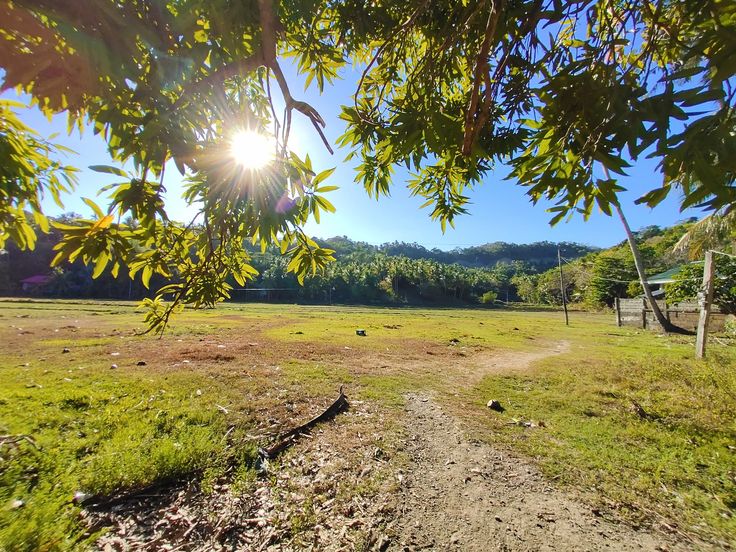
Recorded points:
(264, 56)
(473, 120)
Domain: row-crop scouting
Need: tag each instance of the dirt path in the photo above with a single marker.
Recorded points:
(513, 361)
(462, 495)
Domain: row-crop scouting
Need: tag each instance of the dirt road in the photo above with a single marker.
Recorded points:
(462, 495)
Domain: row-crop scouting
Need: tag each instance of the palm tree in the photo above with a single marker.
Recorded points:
(666, 325)
(716, 231)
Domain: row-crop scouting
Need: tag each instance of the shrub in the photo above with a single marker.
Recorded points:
(488, 297)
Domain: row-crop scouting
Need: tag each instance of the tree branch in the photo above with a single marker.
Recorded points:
(265, 55)
(388, 42)
(481, 68)
(240, 67)
(302, 107)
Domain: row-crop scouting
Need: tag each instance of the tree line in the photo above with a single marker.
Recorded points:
(362, 273)
(403, 273)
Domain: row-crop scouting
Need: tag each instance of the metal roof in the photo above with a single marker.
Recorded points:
(666, 277)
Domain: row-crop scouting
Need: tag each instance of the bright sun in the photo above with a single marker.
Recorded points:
(251, 150)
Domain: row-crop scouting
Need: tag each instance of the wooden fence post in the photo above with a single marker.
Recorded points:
(618, 312)
(644, 314)
(705, 299)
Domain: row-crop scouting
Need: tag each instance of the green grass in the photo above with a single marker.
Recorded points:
(102, 430)
(98, 430)
(678, 461)
(99, 434)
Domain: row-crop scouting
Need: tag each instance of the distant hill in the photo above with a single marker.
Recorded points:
(537, 256)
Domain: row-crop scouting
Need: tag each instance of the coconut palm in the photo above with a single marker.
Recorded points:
(716, 231)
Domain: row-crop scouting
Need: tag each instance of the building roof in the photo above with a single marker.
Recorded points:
(666, 277)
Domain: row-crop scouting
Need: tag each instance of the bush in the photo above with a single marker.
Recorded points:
(689, 280)
(489, 297)
(730, 326)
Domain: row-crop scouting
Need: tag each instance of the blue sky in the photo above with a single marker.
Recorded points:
(499, 210)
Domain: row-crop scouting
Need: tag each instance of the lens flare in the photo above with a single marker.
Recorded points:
(251, 150)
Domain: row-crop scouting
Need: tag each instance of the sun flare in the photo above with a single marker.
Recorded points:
(251, 150)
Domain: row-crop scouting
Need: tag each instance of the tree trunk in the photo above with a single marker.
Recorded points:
(667, 326)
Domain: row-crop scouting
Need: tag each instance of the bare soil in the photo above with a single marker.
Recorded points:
(464, 495)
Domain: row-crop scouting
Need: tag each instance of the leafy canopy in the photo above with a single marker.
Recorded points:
(449, 89)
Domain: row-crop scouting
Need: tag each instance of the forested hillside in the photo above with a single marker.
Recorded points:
(596, 279)
(391, 273)
(538, 256)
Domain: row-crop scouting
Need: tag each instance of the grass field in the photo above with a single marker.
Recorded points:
(107, 411)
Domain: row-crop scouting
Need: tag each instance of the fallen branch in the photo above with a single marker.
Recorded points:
(158, 488)
(287, 439)
(15, 440)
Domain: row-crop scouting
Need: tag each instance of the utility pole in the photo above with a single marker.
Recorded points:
(562, 287)
(706, 298)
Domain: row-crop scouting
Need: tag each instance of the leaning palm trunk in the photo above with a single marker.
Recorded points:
(667, 326)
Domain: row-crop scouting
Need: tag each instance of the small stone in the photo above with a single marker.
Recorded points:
(498, 519)
(495, 405)
(198, 392)
(80, 497)
(17, 504)
(113, 367)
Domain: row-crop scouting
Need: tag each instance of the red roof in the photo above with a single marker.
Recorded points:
(38, 279)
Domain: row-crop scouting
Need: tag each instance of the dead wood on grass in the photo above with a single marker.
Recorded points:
(287, 439)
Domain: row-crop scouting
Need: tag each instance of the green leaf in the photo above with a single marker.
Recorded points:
(109, 170)
(100, 265)
(321, 177)
(92, 205)
(146, 276)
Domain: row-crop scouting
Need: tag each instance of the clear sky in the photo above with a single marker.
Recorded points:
(499, 210)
